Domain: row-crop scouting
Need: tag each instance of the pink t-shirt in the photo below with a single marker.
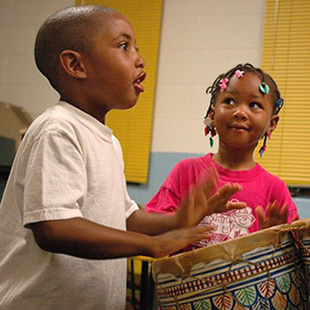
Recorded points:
(259, 189)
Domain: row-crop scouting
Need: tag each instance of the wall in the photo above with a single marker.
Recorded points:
(20, 81)
(200, 40)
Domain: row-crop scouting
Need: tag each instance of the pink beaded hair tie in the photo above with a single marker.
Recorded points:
(223, 84)
(239, 73)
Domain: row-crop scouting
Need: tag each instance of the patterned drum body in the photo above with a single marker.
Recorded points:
(259, 271)
(301, 229)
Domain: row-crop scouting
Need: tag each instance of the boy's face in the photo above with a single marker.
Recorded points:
(114, 68)
(242, 114)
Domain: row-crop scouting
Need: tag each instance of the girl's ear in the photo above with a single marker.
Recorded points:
(211, 115)
(273, 124)
(72, 63)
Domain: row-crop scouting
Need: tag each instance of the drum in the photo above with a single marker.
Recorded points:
(301, 230)
(262, 270)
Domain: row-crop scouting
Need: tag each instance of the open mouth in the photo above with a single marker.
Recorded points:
(137, 83)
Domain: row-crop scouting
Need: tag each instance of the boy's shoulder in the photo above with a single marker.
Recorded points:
(67, 120)
(56, 117)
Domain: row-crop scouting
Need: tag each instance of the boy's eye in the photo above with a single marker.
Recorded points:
(255, 105)
(124, 46)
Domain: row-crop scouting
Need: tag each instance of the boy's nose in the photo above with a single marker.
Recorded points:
(140, 63)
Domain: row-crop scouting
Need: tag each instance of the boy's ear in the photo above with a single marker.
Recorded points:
(72, 63)
(273, 124)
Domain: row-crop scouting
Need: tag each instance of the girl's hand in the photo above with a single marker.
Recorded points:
(200, 202)
(272, 216)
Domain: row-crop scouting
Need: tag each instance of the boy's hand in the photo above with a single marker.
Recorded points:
(175, 240)
(272, 216)
(200, 202)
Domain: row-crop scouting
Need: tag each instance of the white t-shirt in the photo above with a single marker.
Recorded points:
(68, 165)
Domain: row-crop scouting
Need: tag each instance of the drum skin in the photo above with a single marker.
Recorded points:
(263, 270)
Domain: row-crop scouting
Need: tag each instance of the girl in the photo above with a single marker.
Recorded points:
(244, 107)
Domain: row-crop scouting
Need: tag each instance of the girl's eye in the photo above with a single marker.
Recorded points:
(255, 105)
(229, 101)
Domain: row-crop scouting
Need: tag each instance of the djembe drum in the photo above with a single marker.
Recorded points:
(262, 270)
(301, 230)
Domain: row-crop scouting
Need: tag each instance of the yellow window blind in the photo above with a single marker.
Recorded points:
(133, 127)
(286, 57)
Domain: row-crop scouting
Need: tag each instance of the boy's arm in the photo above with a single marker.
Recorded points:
(198, 203)
(86, 239)
(83, 238)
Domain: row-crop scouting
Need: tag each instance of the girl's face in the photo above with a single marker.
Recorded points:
(242, 114)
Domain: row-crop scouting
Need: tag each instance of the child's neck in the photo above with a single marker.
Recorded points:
(96, 111)
(235, 160)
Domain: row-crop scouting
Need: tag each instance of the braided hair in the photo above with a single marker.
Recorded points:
(247, 67)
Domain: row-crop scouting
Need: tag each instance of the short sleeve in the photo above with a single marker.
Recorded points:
(164, 201)
(168, 198)
(55, 179)
(287, 198)
(130, 205)
(281, 194)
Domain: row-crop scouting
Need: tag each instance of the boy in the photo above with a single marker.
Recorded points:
(65, 210)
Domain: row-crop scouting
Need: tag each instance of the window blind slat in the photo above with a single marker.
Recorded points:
(286, 57)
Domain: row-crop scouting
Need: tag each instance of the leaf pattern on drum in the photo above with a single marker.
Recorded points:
(223, 302)
(261, 304)
(267, 289)
(292, 307)
(279, 301)
(296, 278)
(238, 306)
(185, 307)
(202, 305)
(284, 283)
(304, 293)
(294, 295)
(246, 296)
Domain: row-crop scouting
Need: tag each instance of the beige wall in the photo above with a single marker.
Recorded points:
(200, 40)
(20, 82)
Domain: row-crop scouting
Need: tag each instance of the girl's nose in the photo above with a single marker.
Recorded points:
(240, 114)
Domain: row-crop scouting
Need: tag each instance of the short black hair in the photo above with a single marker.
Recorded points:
(247, 67)
(69, 28)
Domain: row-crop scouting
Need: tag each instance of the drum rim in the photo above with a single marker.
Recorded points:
(181, 264)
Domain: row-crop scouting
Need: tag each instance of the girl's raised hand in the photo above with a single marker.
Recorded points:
(200, 201)
(272, 216)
